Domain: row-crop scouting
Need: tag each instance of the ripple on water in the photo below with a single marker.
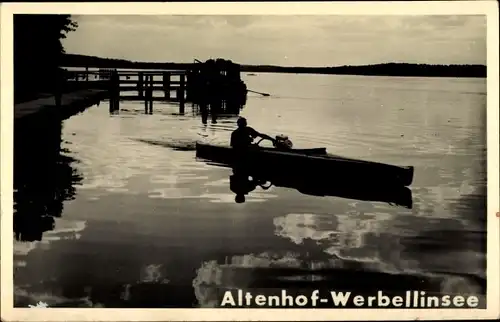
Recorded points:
(187, 193)
(176, 179)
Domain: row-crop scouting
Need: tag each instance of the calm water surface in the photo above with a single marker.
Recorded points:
(144, 225)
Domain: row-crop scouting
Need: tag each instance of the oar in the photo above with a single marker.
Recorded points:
(263, 94)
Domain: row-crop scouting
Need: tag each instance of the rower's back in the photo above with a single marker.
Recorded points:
(243, 136)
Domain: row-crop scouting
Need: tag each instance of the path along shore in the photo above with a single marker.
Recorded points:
(69, 104)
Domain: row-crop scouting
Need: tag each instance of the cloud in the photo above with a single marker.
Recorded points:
(284, 40)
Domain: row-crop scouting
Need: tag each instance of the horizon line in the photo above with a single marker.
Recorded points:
(280, 66)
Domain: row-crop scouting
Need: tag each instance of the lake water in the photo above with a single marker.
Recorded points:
(144, 225)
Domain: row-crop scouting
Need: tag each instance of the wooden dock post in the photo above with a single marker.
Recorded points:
(189, 85)
(114, 91)
(182, 94)
(166, 84)
(151, 90)
(111, 96)
(140, 84)
(148, 100)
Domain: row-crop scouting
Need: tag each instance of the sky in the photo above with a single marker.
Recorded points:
(283, 40)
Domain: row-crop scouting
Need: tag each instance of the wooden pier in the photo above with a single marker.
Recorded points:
(214, 86)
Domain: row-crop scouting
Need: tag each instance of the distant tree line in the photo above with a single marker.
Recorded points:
(38, 52)
(76, 60)
(389, 69)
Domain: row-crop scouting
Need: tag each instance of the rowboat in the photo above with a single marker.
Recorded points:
(307, 163)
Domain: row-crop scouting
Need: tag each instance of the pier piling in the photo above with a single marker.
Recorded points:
(182, 94)
(166, 85)
(140, 84)
(148, 99)
(114, 92)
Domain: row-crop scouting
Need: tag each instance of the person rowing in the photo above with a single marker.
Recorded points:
(244, 135)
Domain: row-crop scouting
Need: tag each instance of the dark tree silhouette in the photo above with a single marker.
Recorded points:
(38, 52)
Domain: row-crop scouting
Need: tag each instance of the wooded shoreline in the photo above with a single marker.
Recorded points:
(388, 69)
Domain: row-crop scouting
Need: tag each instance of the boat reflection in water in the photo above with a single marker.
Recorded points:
(243, 182)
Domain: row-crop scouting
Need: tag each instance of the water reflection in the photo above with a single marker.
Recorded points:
(267, 272)
(23, 298)
(155, 214)
(457, 246)
(43, 177)
(242, 183)
(219, 109)
(153, 290)
(355, 236)
(213, 109)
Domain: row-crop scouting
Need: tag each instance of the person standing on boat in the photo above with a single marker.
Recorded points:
(244, 135)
